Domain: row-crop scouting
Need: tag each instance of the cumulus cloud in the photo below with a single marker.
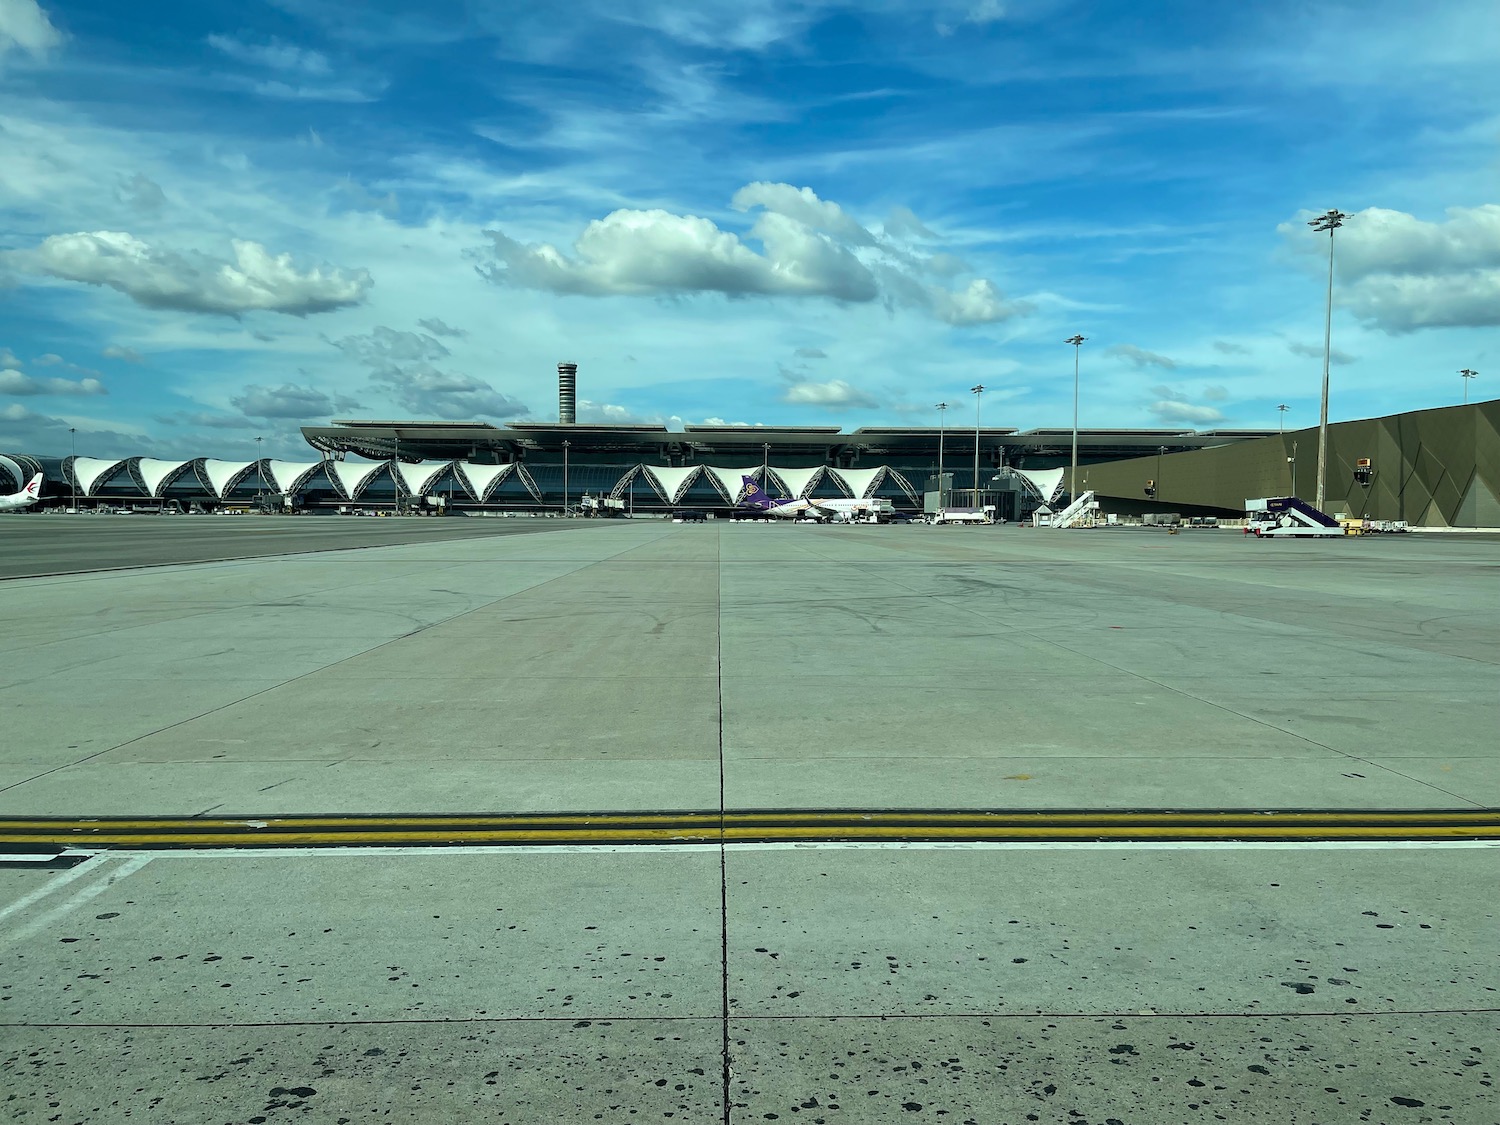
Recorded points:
(16, 383)
(1227, 347)
(401, 363)
(1401, 273)
(1175, 408)
(832, 395)
(810, 248)
(158, 278)
(273, 55)
(44, 434)
(285, 401)
(1315, 351)
(24, 26)
(1140, 356)
(438, 328)
(903, 224)
(8, 358)
(127, 355)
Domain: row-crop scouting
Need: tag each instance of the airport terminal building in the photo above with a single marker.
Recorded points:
(1438, 467)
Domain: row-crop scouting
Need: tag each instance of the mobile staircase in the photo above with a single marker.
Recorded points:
(1080, 513)
(1287, 517)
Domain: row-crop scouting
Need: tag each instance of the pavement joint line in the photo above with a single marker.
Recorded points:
(790, 1017)
(727, 1075)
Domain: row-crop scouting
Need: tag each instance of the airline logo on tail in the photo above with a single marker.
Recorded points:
(25, 498)
(755, 496)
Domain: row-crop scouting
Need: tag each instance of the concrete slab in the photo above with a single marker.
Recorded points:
(901, 931)
(583, 1070)
(337, 936)
(1281, 1071)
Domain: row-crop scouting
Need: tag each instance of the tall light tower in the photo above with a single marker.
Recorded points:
(765, 467)
(1077, 342)
(1329, 221)
(73, 433)
(566, 444)
(1281, 418)
(260, 471)
(978, 392)
(942, 409)
(1468, 373)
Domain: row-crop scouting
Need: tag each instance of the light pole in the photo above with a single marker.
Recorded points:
(765, 467)
(1160, 449)
(73, 433)
(260, 472)
(1468, 373)
(1329, 221)
(395, 471)
(1077, 342)
(566, 444)
(942, 409)
(1281, 418)
(1292, 461)
(978, 392)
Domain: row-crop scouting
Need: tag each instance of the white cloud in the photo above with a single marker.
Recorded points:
(1401, 273)
(1175, 408)
(273, 55)
(810, 248)
(285, 401)
(127, 355)
(15, 383)
(903, 224)
(1336, 357)
(400, 364)
(8, 359)
(194, 282)
(24, 25)
(832, 395)
(1140, 356)
(438, 328)
(141, 193)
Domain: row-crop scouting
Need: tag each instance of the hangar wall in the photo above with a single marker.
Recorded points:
(1432, 468)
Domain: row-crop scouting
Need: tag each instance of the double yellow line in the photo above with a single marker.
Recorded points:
(751, 826)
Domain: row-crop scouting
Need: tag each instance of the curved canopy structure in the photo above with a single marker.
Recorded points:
(799, 482)
(1046, 483)
(861, 483)
(418, 478)
(481, 480)
(671, 483)
(730, 482)
(289, 476)
(20, 467)
(90, 472)
(352, 476)
(222, 476)
(155, 475)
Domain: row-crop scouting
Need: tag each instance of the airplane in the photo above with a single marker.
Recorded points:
(757, 502)
(28, 496)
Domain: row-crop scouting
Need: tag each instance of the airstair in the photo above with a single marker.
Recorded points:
(1080, 513)
(1287, 517)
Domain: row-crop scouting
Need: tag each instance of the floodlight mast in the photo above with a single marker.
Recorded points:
(942, 409)
(1467, 373)
(978, 392)
(1077, 342)
(1281, 418)
(1329, 221)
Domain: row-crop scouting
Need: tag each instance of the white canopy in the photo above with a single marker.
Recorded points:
(1046, 482)
(861, 483)
(798, 482)
(351, 476)
(155, 474)
(89, 472)
(481, 480)
(418, 478)
(288, 476)
(222, 476)
(730, 482)
(672, 483)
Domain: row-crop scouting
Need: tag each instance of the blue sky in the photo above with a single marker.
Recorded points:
(228, 220)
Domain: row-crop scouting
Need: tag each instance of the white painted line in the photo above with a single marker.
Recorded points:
(60, 880)
(131, 864)
(438, 851)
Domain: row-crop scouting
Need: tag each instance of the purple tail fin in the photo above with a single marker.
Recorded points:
(755, 496)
